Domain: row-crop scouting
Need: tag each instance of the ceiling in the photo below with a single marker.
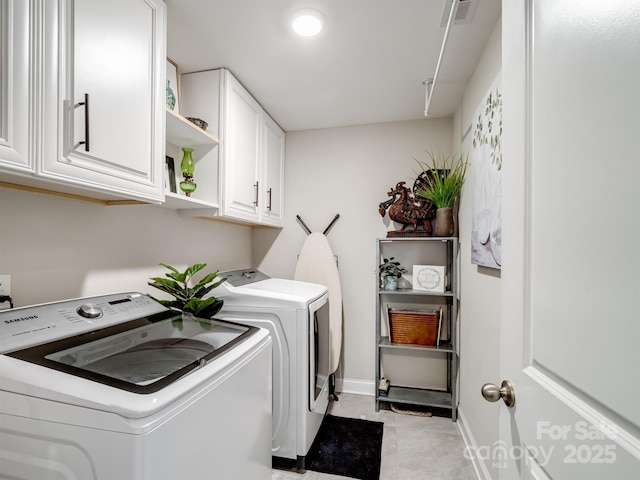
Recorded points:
(367, 65)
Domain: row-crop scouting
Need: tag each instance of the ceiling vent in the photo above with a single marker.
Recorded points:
(464, 14)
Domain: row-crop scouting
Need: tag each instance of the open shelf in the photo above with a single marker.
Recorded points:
(183, 133)
(180, 132)
(418, 396)
(411, 291)
(443, 347)
(180, 202)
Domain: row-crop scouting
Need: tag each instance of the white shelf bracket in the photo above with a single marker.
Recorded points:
(428, 87)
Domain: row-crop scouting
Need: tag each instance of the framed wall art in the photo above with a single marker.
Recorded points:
(170, 174)
(429, 278)
(173, 88)
(486, 158)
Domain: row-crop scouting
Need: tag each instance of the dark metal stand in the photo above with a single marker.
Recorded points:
(326, 230)
(332, 387)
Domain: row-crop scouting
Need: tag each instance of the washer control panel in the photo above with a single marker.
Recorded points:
(89, 310)
(27, 326)
(237, 278)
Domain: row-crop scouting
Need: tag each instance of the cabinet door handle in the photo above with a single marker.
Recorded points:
(85, 142)
(256, 187)
(269, 204)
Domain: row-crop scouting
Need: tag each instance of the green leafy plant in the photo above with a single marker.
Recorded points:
(391, 268)
(443, 179)
(188, 299)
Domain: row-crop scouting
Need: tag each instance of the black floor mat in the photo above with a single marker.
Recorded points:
(347, 446)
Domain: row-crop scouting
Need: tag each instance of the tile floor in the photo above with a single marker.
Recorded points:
(413, 447)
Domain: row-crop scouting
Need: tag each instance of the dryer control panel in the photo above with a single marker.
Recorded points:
(28, 326)
(237, 278)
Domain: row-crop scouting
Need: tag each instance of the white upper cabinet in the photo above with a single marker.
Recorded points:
(15, 98)
(250, 155)
(103, 105)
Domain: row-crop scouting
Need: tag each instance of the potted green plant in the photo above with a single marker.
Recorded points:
(442, 183)
(389, 272)
(189, 300)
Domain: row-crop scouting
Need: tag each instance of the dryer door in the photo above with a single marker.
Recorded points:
(319, 348)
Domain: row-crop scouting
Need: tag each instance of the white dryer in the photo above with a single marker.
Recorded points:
(118, 387)
(296, 314)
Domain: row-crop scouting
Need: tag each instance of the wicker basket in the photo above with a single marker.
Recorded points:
(418, 327)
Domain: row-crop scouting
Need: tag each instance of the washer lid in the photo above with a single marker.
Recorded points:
(141, 356)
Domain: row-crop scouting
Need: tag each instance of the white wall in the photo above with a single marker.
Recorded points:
(56, 248)
(480, 286)
(348, 171)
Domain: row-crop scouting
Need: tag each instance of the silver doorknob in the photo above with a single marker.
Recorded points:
(492, 393)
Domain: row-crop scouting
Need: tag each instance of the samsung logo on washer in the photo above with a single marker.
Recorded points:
(21, 319)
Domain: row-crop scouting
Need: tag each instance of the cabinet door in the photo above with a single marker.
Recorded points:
(273, 173)
(104, 103)
(241, 151)
(15, 104)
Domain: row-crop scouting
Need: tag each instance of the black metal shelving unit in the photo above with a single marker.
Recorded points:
(432, 251)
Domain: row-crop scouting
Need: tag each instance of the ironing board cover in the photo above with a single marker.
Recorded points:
(317, 264)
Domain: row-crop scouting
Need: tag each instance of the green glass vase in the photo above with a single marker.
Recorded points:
(187, 166)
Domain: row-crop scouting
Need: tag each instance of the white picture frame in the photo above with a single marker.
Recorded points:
(429, 278)
(170, 175)
(172, 78)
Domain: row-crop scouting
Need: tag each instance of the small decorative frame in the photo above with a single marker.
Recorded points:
(172, 79)
(429, 278)
(170, 175)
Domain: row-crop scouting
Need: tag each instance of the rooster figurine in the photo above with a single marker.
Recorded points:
(408, 209)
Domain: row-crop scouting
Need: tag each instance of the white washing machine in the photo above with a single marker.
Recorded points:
(296, 314)
(118, 387)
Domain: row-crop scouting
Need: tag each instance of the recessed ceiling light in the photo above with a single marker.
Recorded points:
(307, 23)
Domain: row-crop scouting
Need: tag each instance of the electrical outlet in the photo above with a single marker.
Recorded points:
(5, 285)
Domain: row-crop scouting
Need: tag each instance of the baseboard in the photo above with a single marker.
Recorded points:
(471, 446)
(359, 387)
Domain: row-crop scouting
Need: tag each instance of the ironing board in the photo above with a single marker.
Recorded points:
(317, 264)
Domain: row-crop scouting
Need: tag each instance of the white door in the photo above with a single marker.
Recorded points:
(241, 152)
(571, 253)
(15, 101)
(273, 173)
(104, 96)
(112, 52)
